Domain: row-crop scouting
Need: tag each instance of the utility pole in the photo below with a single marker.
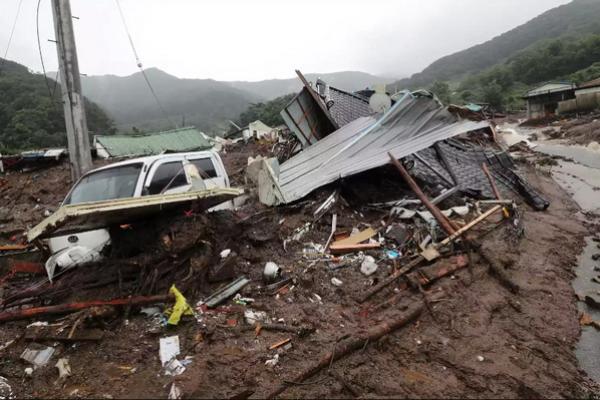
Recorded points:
(70, 82)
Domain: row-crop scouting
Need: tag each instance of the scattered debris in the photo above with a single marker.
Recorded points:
(64, 369)
(169, 349)
(175, 392)
(272, 362)
(336, 282)
(6, 391)
(228, 291)
(38, 355)
(368, 266)
(271, 272)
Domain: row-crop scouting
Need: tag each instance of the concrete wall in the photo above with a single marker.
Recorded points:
(585, 100)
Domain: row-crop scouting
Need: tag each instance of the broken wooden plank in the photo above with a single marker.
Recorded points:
(72, 307)
(358, 341)
(341, 249)
(356, 239)
(14, 247)
(38, 333)
(420, 258)
(279, 344)
(428, 274)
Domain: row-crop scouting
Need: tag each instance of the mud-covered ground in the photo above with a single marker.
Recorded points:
(582, 130)
(478, 339)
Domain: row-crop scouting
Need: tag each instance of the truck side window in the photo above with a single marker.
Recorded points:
(166, 173)
(205, 167)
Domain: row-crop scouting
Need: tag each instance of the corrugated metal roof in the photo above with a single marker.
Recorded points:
(412, 124)
(183, 139)
(550, 87)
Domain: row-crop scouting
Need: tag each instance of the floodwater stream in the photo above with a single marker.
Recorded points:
(578, 172)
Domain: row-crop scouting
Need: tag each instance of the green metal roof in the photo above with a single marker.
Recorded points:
(183, 139)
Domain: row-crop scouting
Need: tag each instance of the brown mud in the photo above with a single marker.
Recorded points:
(480, 340)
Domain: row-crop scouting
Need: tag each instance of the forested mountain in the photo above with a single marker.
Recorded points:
(30, 118)
(580, 17)
(205, 103)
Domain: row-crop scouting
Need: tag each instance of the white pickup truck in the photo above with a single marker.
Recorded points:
(161, 174)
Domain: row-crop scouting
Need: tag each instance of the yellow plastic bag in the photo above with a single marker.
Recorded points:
(180, 308)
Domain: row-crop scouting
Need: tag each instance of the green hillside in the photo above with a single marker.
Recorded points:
(576, 19)
(29, 118)
(565, 58)
(204, 103)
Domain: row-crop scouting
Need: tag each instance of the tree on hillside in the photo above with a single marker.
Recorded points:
(442, 91)
(30, 118)
(493, 94)
(268, 112)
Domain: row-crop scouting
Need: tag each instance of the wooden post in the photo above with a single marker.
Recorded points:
(70, 82)
(437, 214)
(487, 173)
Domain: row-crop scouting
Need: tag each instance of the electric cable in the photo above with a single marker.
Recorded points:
(140, 66)
(12, 31)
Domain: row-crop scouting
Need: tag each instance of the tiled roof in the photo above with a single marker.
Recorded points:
(347, 106)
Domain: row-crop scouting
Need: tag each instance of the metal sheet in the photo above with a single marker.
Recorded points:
(412, 124)
(304, 117)
(88, 216)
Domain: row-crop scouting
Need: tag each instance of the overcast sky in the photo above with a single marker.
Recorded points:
(263, 39)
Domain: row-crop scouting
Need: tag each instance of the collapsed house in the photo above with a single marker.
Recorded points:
(30, 160)
(445, 148)
(257, 130)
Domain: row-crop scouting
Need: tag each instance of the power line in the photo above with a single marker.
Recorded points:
(37, 30)
(12, 31)
(140, 66)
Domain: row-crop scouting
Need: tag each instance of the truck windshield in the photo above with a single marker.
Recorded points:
(107, 184)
